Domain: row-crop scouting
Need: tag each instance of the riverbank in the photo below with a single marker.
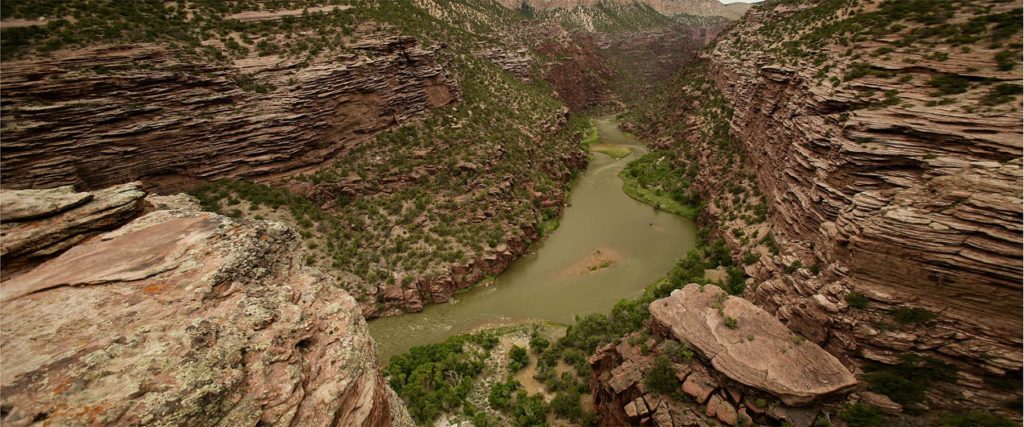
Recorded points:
(608, 247)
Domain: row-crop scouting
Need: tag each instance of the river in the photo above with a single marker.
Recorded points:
(608, 247)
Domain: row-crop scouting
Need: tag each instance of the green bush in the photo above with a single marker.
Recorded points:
(857, 300)
(502, 395)
(530, 410)
(436, 378)
(1006, 59)
(1001, 93)
(736, 282)
(861, 415)
(661, 378)
(566, 404)
(518, 358)
(975, 419)
(907, 381)
(908, 315)
(949, 84)
(538, 343)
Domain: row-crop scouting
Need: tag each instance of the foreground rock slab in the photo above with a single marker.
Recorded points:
(36, 224)
(187, 318)
(748, 345)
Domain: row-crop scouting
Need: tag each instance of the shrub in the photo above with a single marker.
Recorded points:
(538, 343)
(857, 300)
(567, 405)
(518, 358)
(948, 84)
(908, 315)
(1006, 59)
(530, 410)
(736, 282)
(794, 266)
(661, 378)
(502, 394)
(750, 258)
(1001, 93)
(731, 323)
(975, 419)
(413, 375)
(907, 381)
(861, 415)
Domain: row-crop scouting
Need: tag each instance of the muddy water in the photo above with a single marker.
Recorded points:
(608, 247)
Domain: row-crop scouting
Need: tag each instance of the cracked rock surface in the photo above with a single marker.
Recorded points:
(188, 318)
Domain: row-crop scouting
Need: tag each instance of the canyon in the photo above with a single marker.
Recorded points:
(854, 169)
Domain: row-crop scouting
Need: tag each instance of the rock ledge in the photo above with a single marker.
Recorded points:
(757, 351)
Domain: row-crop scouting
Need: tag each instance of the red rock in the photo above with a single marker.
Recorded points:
(777, 362)
(182, 317)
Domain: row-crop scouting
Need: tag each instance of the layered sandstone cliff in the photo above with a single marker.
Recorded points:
(890, 178)
(105, 115)
(182, 317)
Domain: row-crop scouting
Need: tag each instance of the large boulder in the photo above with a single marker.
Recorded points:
(187, 318)
(749, 346)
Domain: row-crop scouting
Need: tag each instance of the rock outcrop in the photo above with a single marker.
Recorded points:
(756, 374)
(749, 346)
(106, 115)
(37, 224)
(183, 317)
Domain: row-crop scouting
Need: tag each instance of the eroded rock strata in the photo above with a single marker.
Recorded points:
(110, 114)
(910, 204)
(183, 317)
(891, 184)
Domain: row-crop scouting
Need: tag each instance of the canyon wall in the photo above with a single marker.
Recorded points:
(182, 317)
(665, 7)
(105, 115)
(915, 205)
(864, 166)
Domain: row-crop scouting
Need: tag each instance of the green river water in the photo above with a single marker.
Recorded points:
(608, 247)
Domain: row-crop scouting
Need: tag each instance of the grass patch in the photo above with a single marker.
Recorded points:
(614, 151)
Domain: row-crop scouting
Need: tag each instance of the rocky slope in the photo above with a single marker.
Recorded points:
(182, 317)
(891, 182)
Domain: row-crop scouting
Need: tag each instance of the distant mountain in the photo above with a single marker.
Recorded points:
(666, 7)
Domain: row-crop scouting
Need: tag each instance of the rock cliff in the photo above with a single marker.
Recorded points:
(666, 7)
(182, 317)
(105, 115)
(888, 178)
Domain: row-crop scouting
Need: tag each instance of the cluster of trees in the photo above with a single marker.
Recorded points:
(436, 378)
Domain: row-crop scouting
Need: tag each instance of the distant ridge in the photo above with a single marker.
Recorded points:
(665, 7)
